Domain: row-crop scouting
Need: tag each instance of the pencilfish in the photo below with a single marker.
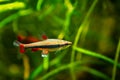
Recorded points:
(45, 45)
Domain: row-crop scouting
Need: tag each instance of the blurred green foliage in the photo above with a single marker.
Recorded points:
(91, 25)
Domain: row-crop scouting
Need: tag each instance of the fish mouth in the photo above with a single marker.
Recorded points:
(68, 43)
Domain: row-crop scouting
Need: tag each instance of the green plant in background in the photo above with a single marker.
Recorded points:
(12, 6)
(45, 11)
(116, 61)
(80, 30)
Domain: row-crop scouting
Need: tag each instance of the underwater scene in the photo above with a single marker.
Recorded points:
(59, 39)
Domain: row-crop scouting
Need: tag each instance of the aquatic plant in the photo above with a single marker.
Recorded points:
(91, 25)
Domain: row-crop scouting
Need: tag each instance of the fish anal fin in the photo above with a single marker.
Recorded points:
(35, 49)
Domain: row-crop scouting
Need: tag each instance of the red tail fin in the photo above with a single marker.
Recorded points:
(22, 48)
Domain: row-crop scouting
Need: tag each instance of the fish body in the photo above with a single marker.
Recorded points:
(45, 45)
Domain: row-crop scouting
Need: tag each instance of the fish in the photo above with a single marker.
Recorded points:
(45, 46)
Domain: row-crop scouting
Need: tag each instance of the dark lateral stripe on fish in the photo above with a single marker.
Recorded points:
(49, 46)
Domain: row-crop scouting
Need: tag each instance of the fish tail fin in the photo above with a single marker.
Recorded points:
(22, 47)
(16, 43)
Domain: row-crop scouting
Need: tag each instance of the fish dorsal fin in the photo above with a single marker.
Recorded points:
(44, 37)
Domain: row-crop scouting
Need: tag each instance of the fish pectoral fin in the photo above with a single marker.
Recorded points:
(44, 53)
(57, 51)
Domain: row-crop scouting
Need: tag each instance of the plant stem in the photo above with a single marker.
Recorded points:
(116, 61)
